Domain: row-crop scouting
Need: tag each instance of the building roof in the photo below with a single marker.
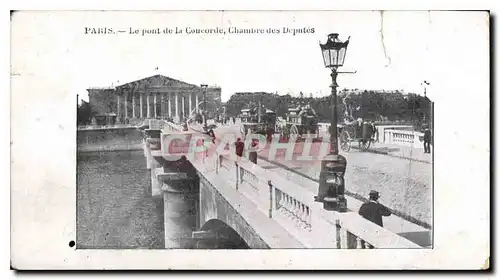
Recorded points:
(156, 80)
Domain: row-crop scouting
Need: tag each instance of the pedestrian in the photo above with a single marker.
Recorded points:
(212, 135)
(374, 131)
(240, 146)
(252, 155)
(234, 120)
(427, 140)
(373, 210)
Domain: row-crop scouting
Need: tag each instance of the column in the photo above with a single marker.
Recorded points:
(162, 109)
(140, 104)
(154, 101)
(148, 105)
(183, 107)
(165, 104)
(118, 107)
(169, 105)
(126, 106)
(177, 106)
(133, 105)
(196, 101)
(190, 96)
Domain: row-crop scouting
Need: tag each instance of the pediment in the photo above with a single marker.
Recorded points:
(155, 81)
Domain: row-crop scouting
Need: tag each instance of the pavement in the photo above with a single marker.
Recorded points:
(412, 153)
(415, 154)
(401, 226)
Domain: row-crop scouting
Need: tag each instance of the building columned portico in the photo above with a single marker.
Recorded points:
(157, 97)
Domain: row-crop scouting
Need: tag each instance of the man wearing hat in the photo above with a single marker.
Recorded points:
(427, 139)
(373, 210)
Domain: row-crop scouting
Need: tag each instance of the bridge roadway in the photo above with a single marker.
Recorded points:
(405, 186)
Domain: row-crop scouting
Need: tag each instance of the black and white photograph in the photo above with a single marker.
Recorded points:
(222, 131)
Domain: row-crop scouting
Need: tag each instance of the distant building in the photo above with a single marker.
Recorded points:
(153, 97)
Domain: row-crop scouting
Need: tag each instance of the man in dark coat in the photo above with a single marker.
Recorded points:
(240, 146)
(427, 140)
(373, 210)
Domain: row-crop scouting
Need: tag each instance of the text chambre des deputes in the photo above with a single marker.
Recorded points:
(193, 30)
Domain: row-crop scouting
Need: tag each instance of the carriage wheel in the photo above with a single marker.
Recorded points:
(364, 144)
(345, 141)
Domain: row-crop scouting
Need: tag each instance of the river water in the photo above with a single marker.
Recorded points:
(115, 208)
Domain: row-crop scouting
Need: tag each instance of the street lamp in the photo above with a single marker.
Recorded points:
(425, 84)
(331, 185)
(204, 88)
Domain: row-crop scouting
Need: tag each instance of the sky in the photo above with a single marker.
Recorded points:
(389, 50)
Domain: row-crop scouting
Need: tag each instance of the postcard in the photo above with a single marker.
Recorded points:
(250, 140)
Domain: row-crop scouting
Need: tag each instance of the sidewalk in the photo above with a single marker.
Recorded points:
(416, 153)
(406, 186)
(394, 223)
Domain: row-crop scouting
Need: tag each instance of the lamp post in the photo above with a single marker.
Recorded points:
(331, 186)
(204, 88)
(425, 84)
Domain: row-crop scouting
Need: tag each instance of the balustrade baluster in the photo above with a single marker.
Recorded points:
(300, 213)
(309, 218)
(292, 207)
(303, 216)
(242, 173)
(288, 206)
(296, 211)
(281, 201)
(284, 205)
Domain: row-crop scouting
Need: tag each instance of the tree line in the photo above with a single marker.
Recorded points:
(369, 105)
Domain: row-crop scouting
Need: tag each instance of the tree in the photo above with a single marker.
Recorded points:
(84, 113)
(374, 105)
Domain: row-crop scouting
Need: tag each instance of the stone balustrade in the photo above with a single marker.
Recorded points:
(404, 138)
(294, 208)
(155, 124)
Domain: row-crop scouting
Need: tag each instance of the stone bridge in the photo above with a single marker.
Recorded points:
(248, 206)
(231, 201)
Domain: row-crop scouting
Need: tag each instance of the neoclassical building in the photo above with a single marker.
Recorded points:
(153, 97)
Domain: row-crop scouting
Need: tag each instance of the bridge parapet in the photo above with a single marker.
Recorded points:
(404, 138)
(294, 209)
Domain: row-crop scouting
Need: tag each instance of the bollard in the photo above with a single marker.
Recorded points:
(338, 236)
(237, 179)
(269, 183)
(217, 165)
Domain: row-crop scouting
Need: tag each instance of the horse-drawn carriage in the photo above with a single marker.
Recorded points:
(299, 121)
(250, 122)
(356, 131)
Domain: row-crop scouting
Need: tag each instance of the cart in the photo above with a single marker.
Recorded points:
(299, 121)
(356, 131)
